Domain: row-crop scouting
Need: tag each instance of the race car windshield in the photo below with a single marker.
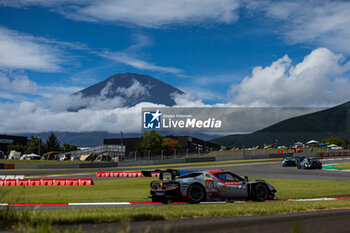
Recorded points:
(228, 177)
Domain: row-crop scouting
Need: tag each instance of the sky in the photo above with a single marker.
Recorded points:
(220, 52)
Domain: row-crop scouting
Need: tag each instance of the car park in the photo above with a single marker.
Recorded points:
(210, 185)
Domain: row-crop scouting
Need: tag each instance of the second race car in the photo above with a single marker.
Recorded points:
(310, 163)
(211, 185)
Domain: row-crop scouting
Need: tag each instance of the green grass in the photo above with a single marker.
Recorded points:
(67, 216)
(137, 189)
(343, 166)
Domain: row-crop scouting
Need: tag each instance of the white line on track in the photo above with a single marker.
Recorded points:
(100, 203)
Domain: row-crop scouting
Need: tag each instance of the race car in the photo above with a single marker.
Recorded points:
(310, 163)
(289, 162)
(211, 185)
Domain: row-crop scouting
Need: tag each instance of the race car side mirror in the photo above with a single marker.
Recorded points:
(246, 178)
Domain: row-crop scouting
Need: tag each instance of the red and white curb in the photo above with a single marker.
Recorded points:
(159, 203)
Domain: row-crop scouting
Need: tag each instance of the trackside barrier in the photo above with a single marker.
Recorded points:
(46, 182)
(123, 174)
(334, 154)
(7, 166)
(73, 182)
(34, 182)
(86, 181)
(10, 182)
(22, 182)
(117, 174)
(59, 182)
(6, 177)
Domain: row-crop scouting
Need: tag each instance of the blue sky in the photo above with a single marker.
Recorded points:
(230, 52)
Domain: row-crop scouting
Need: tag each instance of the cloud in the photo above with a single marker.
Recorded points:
(137, 63)
(21, 51)
(204, 93)
(136, 90)
(319, 80)
(150, 14)
(18, 83)
(320, 23)
(130, 56)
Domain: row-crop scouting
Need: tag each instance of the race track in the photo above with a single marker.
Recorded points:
(310, 222)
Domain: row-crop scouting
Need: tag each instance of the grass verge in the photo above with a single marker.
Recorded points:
(73, 216)
(137, 189)
(343, 166)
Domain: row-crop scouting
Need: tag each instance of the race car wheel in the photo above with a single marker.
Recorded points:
(261, 192)
(195, 193)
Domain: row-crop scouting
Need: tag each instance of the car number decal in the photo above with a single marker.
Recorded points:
(209, 183)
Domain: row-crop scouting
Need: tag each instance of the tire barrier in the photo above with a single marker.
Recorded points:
(123, 174)
(46, 182)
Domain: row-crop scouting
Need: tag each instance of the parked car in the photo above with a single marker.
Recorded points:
(211, 185)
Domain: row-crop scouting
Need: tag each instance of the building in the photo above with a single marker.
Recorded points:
(6, 140)
(188, 145)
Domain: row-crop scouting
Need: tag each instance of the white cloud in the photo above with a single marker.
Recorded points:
(18, 83)
(204, 93)
(21, 51)
(137, 63)
(130, 57)
(320, 23)
(152, 14)
(319, 80)
(135, 90)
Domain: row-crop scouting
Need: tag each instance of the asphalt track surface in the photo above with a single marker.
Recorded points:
(305, 222)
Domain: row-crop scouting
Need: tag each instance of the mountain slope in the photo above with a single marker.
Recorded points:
(331, 122)
(131, 89)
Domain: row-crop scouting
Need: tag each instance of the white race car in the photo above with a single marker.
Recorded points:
(211, 185)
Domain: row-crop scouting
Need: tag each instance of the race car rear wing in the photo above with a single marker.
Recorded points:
(172, 172)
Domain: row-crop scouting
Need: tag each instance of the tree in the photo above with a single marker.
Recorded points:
(169, 145)
(33, 146)
(17, 147)
(52, 143)
(150, 141)
(336, 140)
(67, 147)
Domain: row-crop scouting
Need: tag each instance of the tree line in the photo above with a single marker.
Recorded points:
(343, 142)
(153, 142)
(36, 146)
